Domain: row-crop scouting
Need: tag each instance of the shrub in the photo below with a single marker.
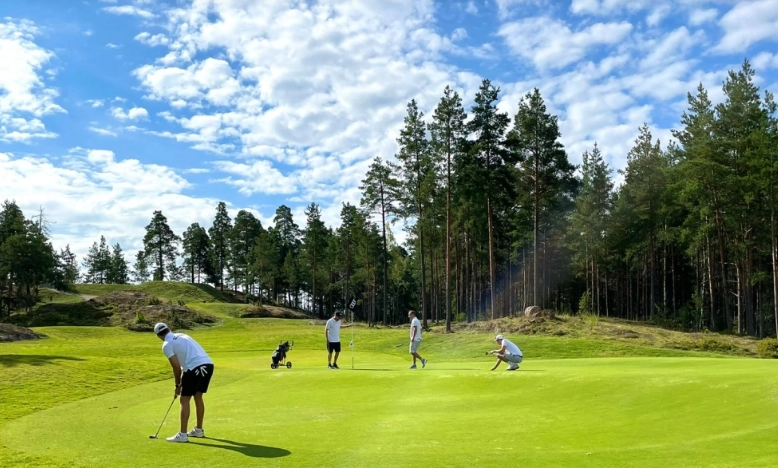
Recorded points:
(140, 318)
(768, 348)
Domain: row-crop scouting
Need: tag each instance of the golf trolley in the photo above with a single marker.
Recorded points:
(279, 356)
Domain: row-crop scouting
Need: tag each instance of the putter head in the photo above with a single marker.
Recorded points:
(152, 437)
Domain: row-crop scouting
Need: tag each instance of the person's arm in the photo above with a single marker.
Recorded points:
(327, 333)
(413, 337)
(176, 372)
(498, 351)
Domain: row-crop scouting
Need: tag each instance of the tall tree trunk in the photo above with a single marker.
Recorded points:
(491, 254)
(423, 269)
(448, 244)
(386, 253)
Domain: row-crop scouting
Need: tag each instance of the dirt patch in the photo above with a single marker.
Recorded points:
(133, 310)
(10, 332)
(268, 311)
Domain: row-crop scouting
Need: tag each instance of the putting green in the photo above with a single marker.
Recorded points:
(669, 412)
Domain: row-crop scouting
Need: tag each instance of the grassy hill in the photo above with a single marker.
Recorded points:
(166, 290)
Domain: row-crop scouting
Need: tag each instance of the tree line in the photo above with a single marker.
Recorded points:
(498, 219)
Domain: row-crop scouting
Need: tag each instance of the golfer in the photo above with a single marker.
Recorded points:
(508, 352)
(192, 370)
(332, 334)
(415, 340)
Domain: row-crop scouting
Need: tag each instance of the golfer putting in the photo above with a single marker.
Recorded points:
(415, 340)
(508, 352)
(192, 370)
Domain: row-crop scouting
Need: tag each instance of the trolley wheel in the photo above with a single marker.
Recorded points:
(273, 366)
(289, 365)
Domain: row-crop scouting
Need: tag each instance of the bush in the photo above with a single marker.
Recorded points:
(153, 301)
(768, 348)
(140, 318)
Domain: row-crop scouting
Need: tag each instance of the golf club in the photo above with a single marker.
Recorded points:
(163, 419)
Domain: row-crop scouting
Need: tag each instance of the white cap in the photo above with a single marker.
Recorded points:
(498, 337)
(159, 327)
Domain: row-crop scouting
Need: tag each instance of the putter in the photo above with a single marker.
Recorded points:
(163, 419)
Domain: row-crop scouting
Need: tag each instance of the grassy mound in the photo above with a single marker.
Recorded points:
(166, 290)
(134, 310)
(616, 330)
(268, 311)
(10, 332)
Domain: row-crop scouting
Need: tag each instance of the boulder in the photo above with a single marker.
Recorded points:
(10, 332)
(532, 311)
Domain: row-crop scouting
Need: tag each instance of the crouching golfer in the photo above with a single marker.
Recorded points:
(415, 340)
(508, 352)
(192, 369)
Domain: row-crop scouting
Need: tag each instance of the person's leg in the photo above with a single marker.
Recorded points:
(335, 361)
(184, 413)
(329, 355)
(200, 405)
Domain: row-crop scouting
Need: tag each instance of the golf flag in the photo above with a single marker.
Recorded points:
(353, 303)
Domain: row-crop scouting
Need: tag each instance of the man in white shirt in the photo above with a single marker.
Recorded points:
(508, 352)
(415, 340)
(192, 370)
(332, 334)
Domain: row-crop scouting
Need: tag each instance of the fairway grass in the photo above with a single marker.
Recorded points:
(91, 397)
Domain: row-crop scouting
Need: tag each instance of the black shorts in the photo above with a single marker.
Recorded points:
(333, 346)
(196, 380)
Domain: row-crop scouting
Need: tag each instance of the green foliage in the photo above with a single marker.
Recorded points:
(768, 348)
(140, 318)
(160, 245)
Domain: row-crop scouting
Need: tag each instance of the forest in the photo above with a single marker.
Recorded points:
(497, 219)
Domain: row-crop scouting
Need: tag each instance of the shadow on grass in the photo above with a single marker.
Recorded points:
(12, 360)
(382, 370)
(250, 450)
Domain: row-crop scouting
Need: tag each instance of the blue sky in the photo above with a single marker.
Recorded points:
(110, 110)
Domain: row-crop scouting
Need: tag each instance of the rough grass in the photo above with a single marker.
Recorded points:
(131, 309)
(617, 330)
(677, 410)
(168, 291)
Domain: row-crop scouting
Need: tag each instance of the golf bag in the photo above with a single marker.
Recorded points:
(279, 356)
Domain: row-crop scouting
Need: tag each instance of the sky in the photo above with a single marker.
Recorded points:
(112, 109)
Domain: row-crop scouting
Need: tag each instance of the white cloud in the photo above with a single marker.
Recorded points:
(550, 44)
(111, 45)
(133, 114)
(102, 131)
(129, 10)
(765, 60)
(607, 7)
(471, 8)
(92, 192)
(701, 16)
(24, 96)
(152, 40)
(95, 103)
(747, 23)
(256, 177)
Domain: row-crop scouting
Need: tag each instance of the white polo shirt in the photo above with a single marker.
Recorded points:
(511, 348)
(333, 330)
(189, 353)
(415, 323)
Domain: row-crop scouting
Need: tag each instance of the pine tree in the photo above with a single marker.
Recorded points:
(314, 245)
(546, 173)
(220, 253)
(140, 270)
(488, 127)
(448, 134)
(242, 239)
(196, 252)
(379, 189)
(118, 272)
(415, 167)
(160, 245)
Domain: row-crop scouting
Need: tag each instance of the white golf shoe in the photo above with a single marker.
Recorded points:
(179, 437)
(513, 367)
(196, 432)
